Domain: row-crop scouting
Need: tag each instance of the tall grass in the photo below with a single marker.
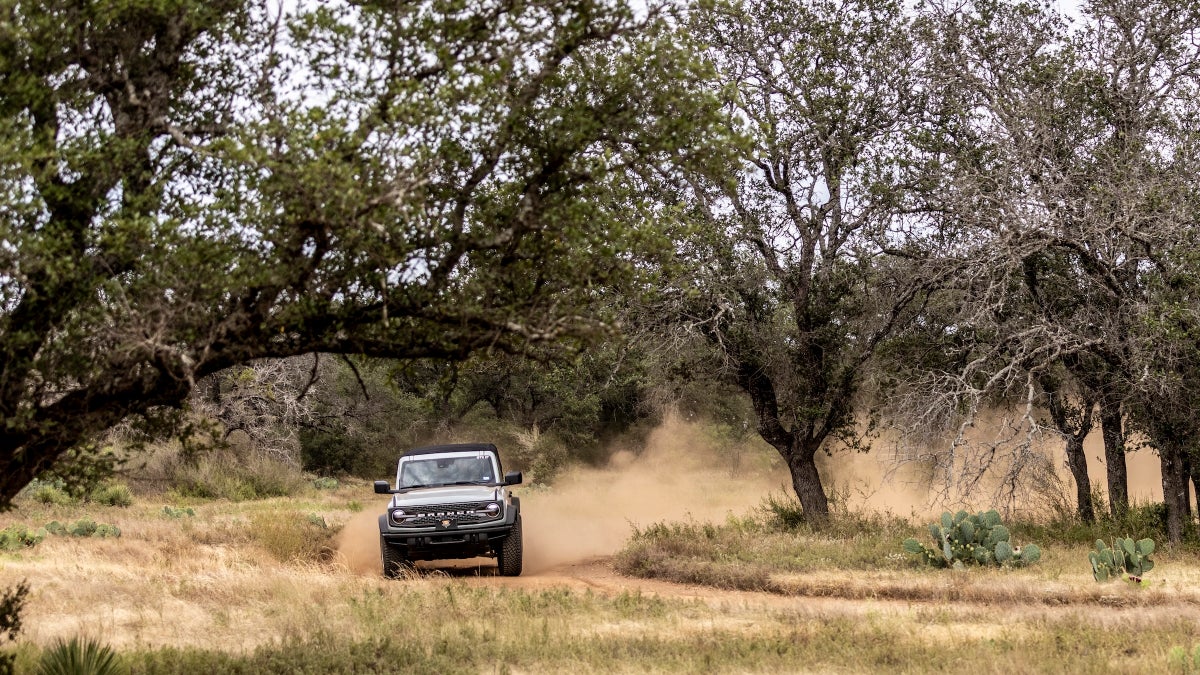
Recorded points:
(457, 629)
(221, 475)
(748, 553)
(1062, 525)
(292, 537)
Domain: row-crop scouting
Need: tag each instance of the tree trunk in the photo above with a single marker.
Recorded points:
(1175, 494)
(1077, 462)
(807, 484)
(1114, 457)
(1194, 474)
(1190, 469)
(1075, 427)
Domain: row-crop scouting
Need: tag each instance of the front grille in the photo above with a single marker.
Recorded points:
(463, 513)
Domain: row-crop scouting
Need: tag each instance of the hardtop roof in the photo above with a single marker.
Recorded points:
(454, 447)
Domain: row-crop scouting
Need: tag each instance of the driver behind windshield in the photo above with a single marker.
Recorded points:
(433, 472)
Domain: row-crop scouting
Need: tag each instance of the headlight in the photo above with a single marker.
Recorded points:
(399, 516)
(492, 509)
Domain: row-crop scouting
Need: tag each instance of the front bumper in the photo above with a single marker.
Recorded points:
(450, 541)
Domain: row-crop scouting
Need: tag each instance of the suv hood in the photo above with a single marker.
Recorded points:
(447, 495)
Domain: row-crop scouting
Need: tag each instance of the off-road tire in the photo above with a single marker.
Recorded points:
(393, 562)
(508, 558)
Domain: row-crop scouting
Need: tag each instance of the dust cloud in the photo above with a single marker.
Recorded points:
(681, 473)
(358, 540)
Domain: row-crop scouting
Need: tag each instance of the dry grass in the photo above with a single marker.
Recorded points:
(242, 587)
(860, 557)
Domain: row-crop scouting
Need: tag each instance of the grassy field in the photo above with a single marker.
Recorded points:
(259, 586)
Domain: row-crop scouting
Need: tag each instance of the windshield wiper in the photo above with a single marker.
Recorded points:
(472, 482)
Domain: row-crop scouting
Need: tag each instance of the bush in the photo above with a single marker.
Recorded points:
(1149, 519)
(325, 483)
(783, 512)
(54, 493)
(115, 494)
(12, 601)
(327, 453)
(77, 656)
(50, 493)
(83, 528)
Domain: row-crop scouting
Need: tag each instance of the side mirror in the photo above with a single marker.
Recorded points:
(512, 478)
(382, 487)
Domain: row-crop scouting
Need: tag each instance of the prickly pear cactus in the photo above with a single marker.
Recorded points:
(1003, 552)
(977, 539)
(1030, 553)
(1126, 557)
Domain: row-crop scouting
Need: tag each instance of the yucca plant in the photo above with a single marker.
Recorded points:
(80, 657)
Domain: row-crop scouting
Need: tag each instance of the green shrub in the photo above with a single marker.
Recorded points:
(12, 601)
(114, 494)
(52, 494)
(325, 452)
(1064, 526)
(965, 539)
(1183, 662)
(77, 657)
(325, 483)
(1149, 519)
(783, 512)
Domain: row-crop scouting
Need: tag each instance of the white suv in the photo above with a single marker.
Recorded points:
(450, 502)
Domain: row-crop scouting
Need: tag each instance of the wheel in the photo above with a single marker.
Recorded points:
(508, 558)
(393, 562)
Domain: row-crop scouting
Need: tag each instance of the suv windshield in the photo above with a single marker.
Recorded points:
(437, 471)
